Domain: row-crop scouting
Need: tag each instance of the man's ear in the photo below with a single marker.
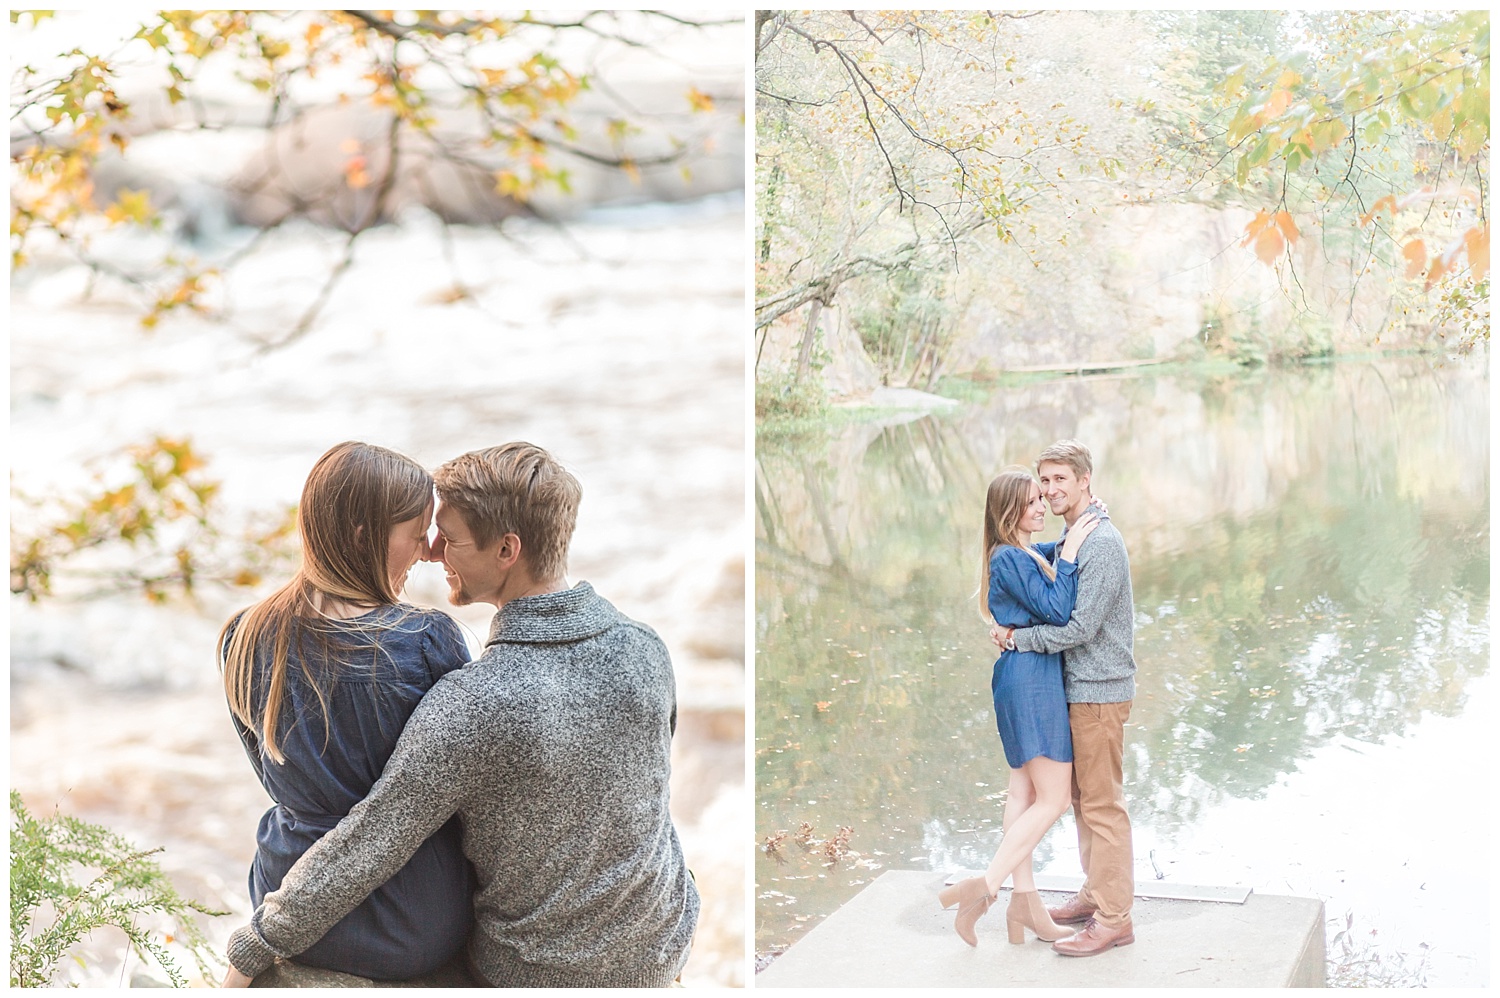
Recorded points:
(508, 551)
(1087, 481)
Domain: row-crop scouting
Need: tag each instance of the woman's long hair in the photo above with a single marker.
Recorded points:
(1004, 504)
(353, 496)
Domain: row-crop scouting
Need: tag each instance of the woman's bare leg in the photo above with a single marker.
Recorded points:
(1052, 785)
(1020, 797)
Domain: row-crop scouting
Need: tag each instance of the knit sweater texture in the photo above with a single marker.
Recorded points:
(1098, 641)
(553, 748)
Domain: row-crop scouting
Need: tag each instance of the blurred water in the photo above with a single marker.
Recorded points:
(1310, 561)
(617, 347)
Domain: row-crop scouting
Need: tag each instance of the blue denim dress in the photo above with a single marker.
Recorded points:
(1030, 708)
(378, 668)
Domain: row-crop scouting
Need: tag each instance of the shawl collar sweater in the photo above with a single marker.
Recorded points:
(553, 748)
(1098, 641)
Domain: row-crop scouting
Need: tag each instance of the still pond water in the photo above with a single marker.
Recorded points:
(1310, 560)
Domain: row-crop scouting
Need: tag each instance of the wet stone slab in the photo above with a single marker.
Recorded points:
(893, 934)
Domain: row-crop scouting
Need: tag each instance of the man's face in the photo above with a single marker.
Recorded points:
(1066, 493)
(473, 575)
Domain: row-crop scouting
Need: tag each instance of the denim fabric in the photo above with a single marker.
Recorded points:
(373, 672)
(1031, 711)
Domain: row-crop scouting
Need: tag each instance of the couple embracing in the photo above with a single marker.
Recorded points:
(1063, 686)
(503, 822)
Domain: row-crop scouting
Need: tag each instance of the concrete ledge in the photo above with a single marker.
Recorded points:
(893, 934)
(286, 974)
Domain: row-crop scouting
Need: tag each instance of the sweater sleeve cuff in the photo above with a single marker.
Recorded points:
(249, 953)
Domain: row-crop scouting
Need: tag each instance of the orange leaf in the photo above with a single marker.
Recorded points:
(1477, 242)
(1279, 102)
(1269, 244)
(1389, 201)
(1256, 226)
(1439, 267)
(1287, 226)
(1416, 257)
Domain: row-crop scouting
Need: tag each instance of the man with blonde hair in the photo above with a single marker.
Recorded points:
(1099, 668)
(552, 747)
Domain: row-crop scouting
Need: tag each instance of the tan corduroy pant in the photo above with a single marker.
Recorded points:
(1099, 808)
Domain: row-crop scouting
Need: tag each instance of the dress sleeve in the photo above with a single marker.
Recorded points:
(1104, 560)
(1018, 574)
(443, 646)
(439, 760)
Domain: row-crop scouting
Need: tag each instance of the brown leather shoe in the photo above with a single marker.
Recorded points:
(1095, 939)
(1072, 912)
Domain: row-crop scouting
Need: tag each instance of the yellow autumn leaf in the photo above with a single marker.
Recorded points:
(699, 100)
(134, 206)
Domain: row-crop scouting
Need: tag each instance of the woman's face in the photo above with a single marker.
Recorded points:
(408, 544)
(1034, 517)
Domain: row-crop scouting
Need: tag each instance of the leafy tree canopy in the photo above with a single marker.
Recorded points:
(1377, 121)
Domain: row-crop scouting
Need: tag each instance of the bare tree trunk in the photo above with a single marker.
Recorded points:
(932, 372)
(905, 351)
(804, 356)
(923, 349)
(939, 347)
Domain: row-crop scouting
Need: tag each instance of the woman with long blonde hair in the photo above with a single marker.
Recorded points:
(321, 677)
(1022, 587)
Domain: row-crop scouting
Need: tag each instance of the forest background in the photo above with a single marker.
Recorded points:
(959, 194)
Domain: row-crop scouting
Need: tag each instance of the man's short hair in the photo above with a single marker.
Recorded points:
(515, 488)
(1070, 452)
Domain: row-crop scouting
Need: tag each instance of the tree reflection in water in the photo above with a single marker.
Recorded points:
(1310, 557)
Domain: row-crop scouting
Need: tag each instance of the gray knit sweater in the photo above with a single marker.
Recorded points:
(1098, 641)
(553, 748)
